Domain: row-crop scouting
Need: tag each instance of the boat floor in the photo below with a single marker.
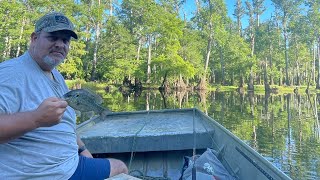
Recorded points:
(123, 177)
(157, 164)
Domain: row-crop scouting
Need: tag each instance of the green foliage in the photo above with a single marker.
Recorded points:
(192, 48)
(72, 67)
(116, 53)
(236, 54)
(74, 83)
(128, 37)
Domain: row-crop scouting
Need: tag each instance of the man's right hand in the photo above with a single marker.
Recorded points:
(50, 112)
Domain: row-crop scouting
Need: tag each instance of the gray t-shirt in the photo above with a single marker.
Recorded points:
(46, 152)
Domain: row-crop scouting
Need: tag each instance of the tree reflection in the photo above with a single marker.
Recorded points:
(203, 100)
(317, 126)
(251, 102)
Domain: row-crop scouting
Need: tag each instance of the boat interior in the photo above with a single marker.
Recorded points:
(153, 144)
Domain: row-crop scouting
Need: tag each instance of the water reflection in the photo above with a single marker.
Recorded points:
(285, 128)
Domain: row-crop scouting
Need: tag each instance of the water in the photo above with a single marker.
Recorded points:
(283, 128)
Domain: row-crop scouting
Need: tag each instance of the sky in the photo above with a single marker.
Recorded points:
(190, 8)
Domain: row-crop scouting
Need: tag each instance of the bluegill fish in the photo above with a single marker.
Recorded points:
(85, 101)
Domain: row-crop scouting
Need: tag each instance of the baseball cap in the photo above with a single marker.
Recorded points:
(55, 21)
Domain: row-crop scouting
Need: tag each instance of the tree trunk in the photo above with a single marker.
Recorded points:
(250, 84)
(213, 76)
(297, 73)
(208, 51)
(181, 86)
(209, 46)
(149, 59)
(222, 67)
(318, 80)
(270, 56)
(239, 11)
(202, 84)
(285, 33)
(251, 27)
(94, 60)
(198, 6)
(6, 47)
(6, 38)
(96, 44)
(111, 8)
(20, 36)
(265, 77)
(314, 65)
(87, 43)
(281, 77)
(148, 100)
(252, 41)
(139, 49)
(232, 79)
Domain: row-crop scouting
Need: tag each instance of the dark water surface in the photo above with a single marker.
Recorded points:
(283, 128)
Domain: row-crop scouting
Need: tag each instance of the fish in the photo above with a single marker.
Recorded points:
(84, 100)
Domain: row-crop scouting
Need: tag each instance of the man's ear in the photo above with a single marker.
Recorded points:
(34, 36)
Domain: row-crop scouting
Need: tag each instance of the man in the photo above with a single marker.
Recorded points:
(37, 128)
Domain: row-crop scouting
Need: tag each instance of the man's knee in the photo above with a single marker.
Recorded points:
(117, 167)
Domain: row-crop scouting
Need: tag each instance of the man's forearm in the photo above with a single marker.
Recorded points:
(85, 152)
(49, 113)
(15, 125)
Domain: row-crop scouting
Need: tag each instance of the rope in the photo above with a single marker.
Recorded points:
(134, 142)
(194, 170)
(133, 172)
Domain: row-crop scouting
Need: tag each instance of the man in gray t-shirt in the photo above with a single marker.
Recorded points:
(37, 128)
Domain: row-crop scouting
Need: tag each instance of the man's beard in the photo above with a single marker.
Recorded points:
(51, 63)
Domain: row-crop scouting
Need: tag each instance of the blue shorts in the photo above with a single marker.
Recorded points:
(91, 168)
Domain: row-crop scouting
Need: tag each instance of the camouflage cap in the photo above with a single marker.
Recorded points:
(55, 22)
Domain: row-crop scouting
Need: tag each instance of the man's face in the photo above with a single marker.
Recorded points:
(50, 49)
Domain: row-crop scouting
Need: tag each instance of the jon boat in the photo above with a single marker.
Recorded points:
(153, 143)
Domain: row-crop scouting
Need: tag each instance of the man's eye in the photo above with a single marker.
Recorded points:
(52, 38)
(66, 40)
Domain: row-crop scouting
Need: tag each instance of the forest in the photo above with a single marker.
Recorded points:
(154, 42)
